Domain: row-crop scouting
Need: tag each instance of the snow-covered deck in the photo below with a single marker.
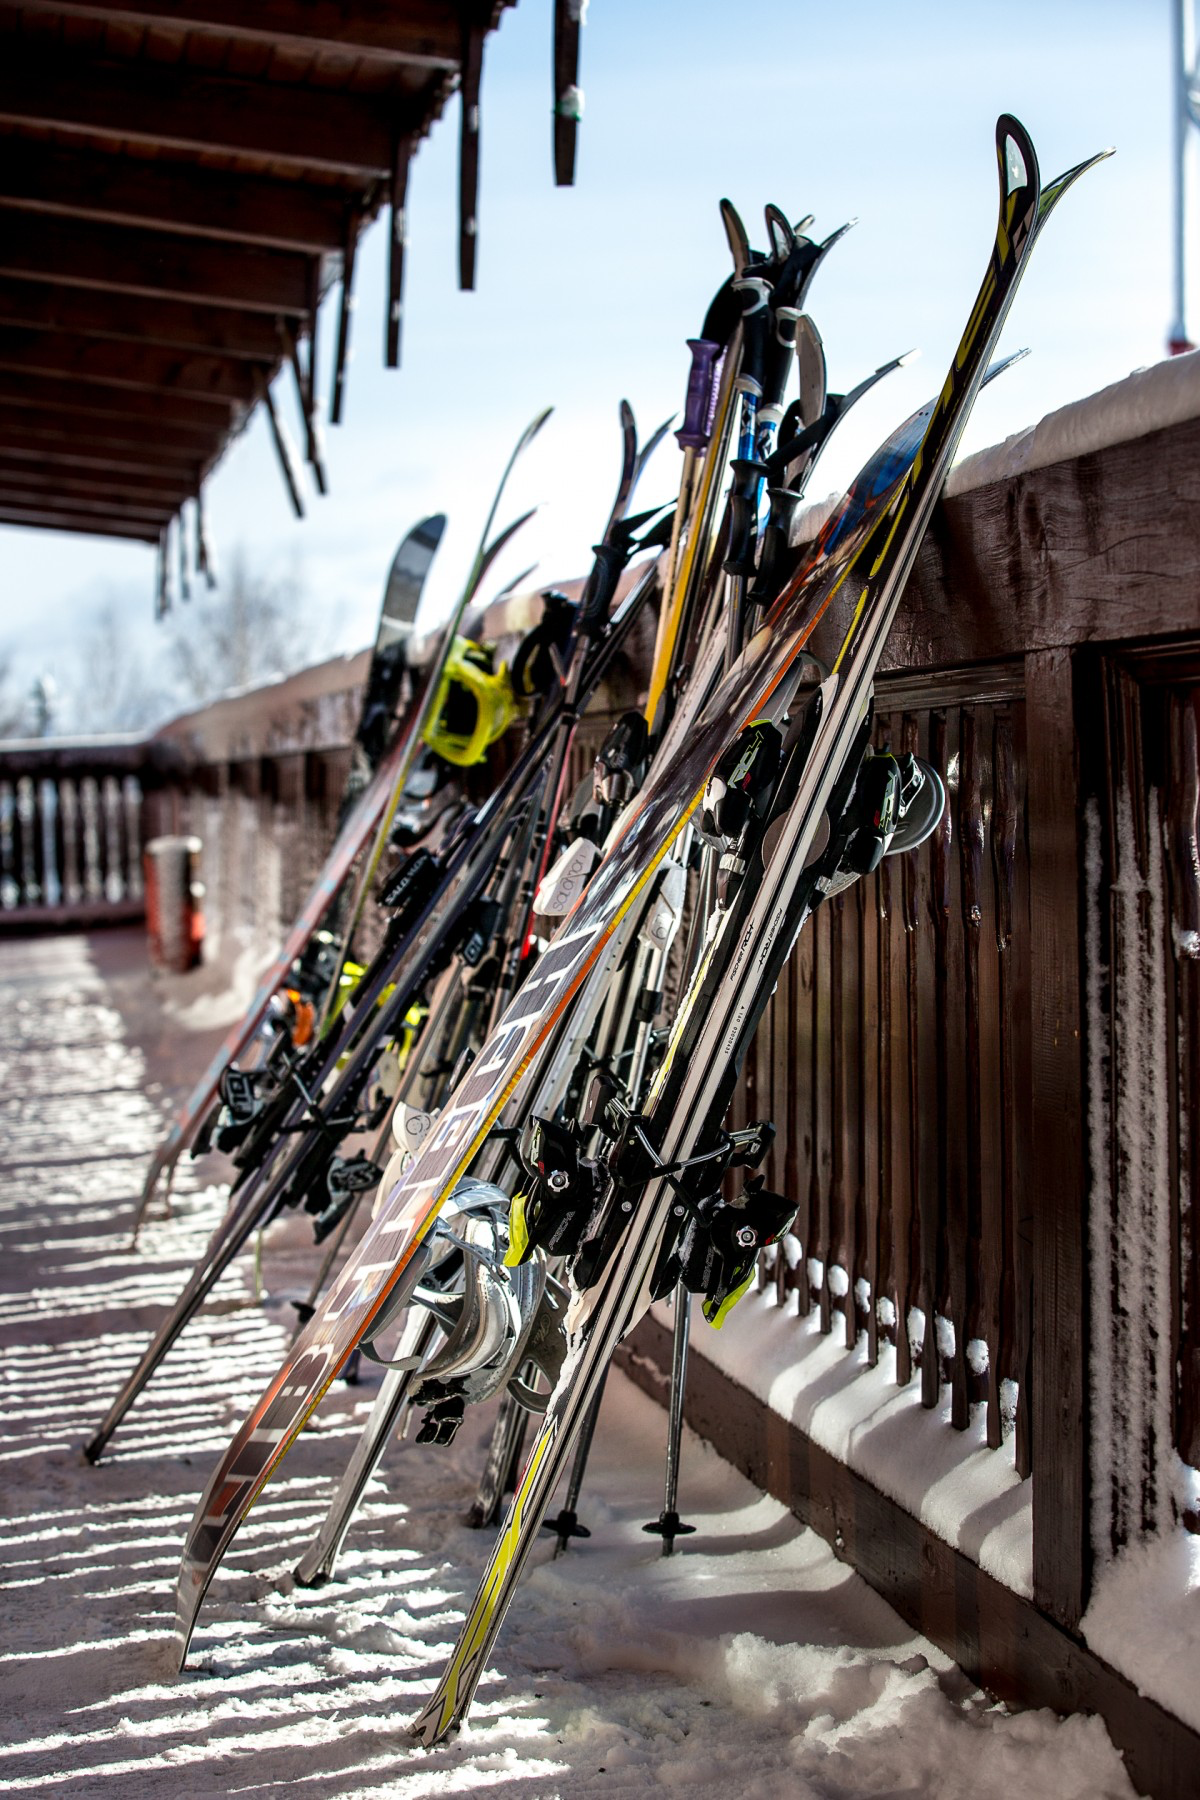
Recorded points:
(752, 1662)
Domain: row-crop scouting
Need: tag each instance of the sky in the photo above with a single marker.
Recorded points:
(861, 110)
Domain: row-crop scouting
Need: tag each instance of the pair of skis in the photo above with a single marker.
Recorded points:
(786, 853)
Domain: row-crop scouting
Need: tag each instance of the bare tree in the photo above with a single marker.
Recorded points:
(116, 687)
(249, 628)
(14, 707)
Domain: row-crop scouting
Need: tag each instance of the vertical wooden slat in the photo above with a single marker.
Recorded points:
(970, 913)
(801, 1156)
(822, 1159)
(1183, 845)
(869, 1111)
(60, 845)
(1058, 1119)
(954, 1247)
(925, 1099)
(839, 1199)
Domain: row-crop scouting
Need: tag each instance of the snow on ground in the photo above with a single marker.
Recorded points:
(752, 1662)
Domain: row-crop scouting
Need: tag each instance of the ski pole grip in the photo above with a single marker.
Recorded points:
(776, 538)
(778, 352)
(755, 294)
(748, 472)
(697, 410)
(602, 585)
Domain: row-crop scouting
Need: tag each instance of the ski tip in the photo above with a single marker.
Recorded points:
(1002, 363)
(1017, 158)
(902, 362)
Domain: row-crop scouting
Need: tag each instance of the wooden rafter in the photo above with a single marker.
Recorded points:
(174, 324)
(19, 388)
(172, 196)
(125, 259)
(182, 109)
(126, 365)
(419, 32)
(54, 519)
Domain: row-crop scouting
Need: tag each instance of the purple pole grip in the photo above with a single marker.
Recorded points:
(697, 409)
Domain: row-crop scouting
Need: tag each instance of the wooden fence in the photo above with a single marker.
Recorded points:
(982, 1062)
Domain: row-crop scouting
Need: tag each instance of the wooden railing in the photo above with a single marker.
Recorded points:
(71, 831)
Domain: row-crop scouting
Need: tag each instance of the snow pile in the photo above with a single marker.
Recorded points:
(969, 1495)
(1144, 1619)
(752, 1662)
(1149, 400)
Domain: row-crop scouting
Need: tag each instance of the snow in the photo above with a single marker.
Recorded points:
(969, 1495)
(752, 1662)
(1148, 400)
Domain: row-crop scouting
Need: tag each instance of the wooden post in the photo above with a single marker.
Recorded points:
(1058, 1416)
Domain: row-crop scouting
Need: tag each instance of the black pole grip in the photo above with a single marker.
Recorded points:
(602, 585)
(755, 292)
(748, 472)
(777, 536)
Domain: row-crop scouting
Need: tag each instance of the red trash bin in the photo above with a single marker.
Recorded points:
(174, 902)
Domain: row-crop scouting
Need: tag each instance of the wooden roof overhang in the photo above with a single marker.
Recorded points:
(180, 185)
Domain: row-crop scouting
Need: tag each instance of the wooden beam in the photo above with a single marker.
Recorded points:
(140, 509)
(568, 100)
(341, 355)
(94, 462)
(125, 365)
(34, 479)
(176, 324)
(22, 390)
(173, 196)
(180, 108)
(129, 260)
(474, 31)
(1090, 572)
(83, 432)
(45, 520)
(397, 242)
(421, 32)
